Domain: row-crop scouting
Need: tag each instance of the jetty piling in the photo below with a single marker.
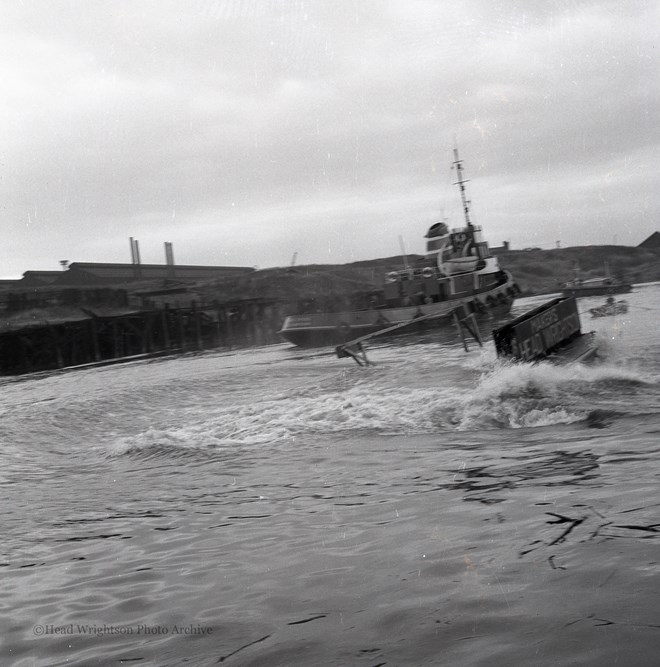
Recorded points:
(98, 339)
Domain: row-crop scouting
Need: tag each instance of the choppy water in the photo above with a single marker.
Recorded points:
(282, 507)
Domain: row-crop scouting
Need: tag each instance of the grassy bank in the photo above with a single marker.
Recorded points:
(543, 271)
(535, 271)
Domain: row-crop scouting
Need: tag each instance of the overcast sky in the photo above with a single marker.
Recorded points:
(244, 131)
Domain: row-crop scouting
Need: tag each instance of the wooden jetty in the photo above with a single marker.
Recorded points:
(97, 339)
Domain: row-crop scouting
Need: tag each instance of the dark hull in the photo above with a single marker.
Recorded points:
(330, 337)
(599, 290)
(330, 329)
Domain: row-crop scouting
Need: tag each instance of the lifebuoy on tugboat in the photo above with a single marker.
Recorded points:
(392, 277)
(427, 272)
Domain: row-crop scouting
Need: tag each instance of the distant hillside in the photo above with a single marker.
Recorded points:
(536, 272)
(542, 271)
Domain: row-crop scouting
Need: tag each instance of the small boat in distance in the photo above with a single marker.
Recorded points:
(594, 286)
(458, 271)
(550, 331)
(610, 307)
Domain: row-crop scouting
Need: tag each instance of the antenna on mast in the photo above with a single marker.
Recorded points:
(406, 265)
(461, 184)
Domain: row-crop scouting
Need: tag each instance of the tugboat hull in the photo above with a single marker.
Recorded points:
(597, 290)
(323, 329)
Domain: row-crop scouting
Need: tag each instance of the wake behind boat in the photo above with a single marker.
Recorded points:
(459, 271)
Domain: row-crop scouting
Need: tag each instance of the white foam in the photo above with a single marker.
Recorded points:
(506, 395)
(362, 407)
(518, 395)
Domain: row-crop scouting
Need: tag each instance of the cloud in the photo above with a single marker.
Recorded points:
(244, 131)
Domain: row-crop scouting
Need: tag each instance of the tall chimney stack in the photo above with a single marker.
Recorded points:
(169, 259)
(135, 258)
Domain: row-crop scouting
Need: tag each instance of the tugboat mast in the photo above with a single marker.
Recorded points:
(461, 184)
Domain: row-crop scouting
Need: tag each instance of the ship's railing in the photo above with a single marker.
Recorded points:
(412, 274)
(458, 230)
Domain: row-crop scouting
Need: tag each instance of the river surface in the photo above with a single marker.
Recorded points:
(277, 506)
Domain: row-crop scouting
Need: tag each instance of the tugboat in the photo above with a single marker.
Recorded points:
(459, 271)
